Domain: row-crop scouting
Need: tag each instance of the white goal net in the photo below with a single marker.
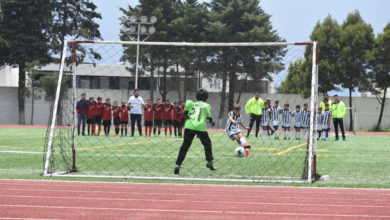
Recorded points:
(102, 137)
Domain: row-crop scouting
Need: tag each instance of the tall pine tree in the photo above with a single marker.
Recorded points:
(25, 27)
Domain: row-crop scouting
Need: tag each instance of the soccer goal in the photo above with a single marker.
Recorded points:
(167, 74)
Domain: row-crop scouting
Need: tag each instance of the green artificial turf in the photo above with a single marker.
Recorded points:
(361, 161)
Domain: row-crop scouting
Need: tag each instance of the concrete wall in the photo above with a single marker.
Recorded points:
(367, 109)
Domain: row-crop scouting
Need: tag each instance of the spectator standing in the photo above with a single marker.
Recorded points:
(136, 104)
(82, 109)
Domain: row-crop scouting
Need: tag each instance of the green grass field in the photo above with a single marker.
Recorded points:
(362, 161)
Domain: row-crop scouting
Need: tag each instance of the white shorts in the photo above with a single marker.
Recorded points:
(233, 132)
(265, 124)
(325, 126)
(319, 127)
(298, 125)
(275, 123)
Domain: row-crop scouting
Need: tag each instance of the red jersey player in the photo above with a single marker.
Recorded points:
(124, 117)
(167, 116)
(98, 114)
(176, 119)
(148, 117)
(117, 119)
(90, 113)
(158, 111)
(107, 117)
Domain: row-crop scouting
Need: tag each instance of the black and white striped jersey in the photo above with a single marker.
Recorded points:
(275, 112)
(327, 115)
(305, 118)
(230, 125)
(297, 118)
(320, 118)
(286, 117)
(266, 117)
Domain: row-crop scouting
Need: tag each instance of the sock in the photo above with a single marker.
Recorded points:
(265, 134)
(175, 131)
(154, 131)
(99, 129)
(276, 133)
(289, 134)
(93, 129)
(159, 131)
(170, 131)
(122, 131)
(146, 131)
(165, 129)
(298, 134)
(150, 131)
(126, 130)
(89, 126)
(108, 129)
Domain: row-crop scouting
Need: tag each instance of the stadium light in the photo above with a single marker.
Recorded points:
(138, 25)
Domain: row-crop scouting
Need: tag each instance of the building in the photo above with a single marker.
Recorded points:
(122, 77)
(9, 76)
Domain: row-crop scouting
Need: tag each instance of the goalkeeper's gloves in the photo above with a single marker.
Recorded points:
(184, 118)
(212, 123)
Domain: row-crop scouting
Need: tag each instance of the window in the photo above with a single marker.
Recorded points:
(114, 82)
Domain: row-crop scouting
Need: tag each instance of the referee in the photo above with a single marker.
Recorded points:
(136, 104)
(254, 108)
(338, 113)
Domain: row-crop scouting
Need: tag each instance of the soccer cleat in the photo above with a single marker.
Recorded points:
(336, 139)
(116, 135)
(284, 138)
(344, 139)
(210, 165)
(177, 170)
(247, 152)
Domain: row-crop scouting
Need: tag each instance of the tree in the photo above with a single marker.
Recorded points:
(154, 58)
(328, 35)
(378, 79)
(243, 21)
(73, 19)
(189, 26)
(357, 42)
(298, 80)
(24, 26)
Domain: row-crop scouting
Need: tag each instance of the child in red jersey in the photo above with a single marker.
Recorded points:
(124, 117)
(167, 117)
(148, 117)
(107, 117)
(158, 111)
(90, 113)
(117, 119)
(176, 119)
(98, 114)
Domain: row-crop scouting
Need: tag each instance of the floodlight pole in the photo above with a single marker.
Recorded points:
(138, 21)
(137, 60)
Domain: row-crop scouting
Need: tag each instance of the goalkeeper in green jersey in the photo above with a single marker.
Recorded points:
(196, 114)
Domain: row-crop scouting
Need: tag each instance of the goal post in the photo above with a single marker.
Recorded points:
(173, 71)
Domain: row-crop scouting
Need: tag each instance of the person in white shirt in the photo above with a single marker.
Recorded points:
(136, 104)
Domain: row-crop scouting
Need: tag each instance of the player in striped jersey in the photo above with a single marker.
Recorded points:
(233, 128)
(305, 122)
(326, 122)
(265, 120)
(275, 112)
(320, 121)
(297, 121)
(286, 121)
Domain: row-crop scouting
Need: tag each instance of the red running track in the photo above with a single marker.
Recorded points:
(28, 199)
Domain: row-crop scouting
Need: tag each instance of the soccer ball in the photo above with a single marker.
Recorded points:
(240, 151)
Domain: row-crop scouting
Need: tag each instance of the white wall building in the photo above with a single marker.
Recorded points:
(9, 76)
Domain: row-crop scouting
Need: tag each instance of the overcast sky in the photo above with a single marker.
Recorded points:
(294, 20)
